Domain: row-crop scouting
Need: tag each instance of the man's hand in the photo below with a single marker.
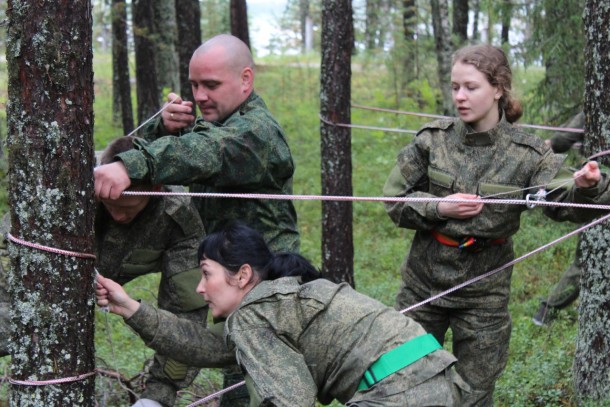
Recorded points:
(110, 294)
(460, 210)
(588, 176)
(111, 180)
(178, 115)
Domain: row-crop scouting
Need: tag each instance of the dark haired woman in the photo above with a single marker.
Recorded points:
(298, 338)
(479, 154)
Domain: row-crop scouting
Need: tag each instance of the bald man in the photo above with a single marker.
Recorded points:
(236, 146)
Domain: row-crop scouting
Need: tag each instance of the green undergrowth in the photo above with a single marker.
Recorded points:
(539, 368)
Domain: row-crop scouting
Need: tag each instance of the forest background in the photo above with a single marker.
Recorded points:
(397, 64)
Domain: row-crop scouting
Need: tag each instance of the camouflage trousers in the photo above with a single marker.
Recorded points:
(446, 389)
(481, 338)
(566, 290)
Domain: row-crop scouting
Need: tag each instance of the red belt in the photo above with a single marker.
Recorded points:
(467, 242)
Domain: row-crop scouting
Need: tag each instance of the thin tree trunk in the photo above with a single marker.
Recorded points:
(409, 25)
(164, 40)
(188, 14)
(507, 13)
(592, 357)
(444, 50)
(460, 21)
(239, 21)
(50, 141)
(335, 98)
(121, 89)
(305, 22)
(147, 87)
(476, 11)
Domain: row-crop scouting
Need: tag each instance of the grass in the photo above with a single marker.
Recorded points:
(539, 369)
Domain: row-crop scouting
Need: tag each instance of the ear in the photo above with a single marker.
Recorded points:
(245, 275)
(499, 93)
(247, 79)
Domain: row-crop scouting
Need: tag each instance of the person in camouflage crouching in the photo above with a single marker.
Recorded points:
(236, 146)
(135, 236)
(297, 337)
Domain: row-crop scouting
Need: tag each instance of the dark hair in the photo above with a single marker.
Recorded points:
(238, 244)
(492, 62)
(117, 146)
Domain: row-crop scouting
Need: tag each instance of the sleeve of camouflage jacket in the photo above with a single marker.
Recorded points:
(409, 178)
(188, 342)
(599, 194)
(208, 155)
(278, 372)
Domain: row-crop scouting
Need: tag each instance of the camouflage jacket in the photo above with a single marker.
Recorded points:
(298, 342)
(247, 153)
(446, 158)
(163, 238)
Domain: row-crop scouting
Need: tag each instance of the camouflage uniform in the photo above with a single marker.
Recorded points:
(164, 238)
(302, 342)
(446, 157)
(246, 153)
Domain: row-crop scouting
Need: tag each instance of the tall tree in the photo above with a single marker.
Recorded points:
(306, 26)
(506, 13)
(444, 50)
(239, 21)
(50, 142)
(592, 360)
(188, 14)
(121, 86)
(335, 99)
(460, 21)
(147, 87)
(165, 37)
(476, 11)
(409, 26)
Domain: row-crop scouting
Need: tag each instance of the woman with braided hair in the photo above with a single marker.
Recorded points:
(479, 154)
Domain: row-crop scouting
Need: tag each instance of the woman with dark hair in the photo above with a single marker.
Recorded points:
(479, 154)
(297, 337)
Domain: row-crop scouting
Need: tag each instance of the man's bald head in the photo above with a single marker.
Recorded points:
(234, 52)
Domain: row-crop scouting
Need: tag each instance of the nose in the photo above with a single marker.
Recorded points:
(201, 287)
(459, 94)
(200, 94)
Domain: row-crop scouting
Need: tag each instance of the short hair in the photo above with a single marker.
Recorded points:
(117, 146)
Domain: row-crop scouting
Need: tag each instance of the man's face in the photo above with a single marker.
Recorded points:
(218, 88)
(125, 209)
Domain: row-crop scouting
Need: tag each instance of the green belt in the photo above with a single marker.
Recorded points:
(400, 357)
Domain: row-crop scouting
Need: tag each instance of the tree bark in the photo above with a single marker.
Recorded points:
(592, 357)
(335, 98)
(460, 21)
(188, 17)
(444, 50)
(50, 142)
(121, 89)
(507, 14)
(147, 87)
(164, 40)
(239, 21)
(409, 25)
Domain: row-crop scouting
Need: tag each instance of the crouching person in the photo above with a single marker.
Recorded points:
(297, 337)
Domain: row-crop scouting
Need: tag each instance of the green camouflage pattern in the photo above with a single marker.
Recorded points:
(298, 342)
(163, 238)
(445, 158)
(247, 153)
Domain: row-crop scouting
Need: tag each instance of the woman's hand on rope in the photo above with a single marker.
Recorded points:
(460, 210)
(111, 180)
(178, 115)
(110, 294)
(588, 176)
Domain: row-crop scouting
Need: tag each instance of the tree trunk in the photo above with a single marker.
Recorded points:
(239, 21)
(164, 39)
(372, 24)
(305, 23)
(188, 14)
(460, 21)
(336, 148)
(476, 11)
(50, 142)
(147, 87)
(409, 25)
(507, 14)
(121, 87)
(592, 358)
(444, 50)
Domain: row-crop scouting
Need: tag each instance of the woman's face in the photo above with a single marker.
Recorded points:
(475, 99)
(222, 291)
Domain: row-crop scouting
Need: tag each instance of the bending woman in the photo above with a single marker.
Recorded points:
(295, 336)
(479, 154)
